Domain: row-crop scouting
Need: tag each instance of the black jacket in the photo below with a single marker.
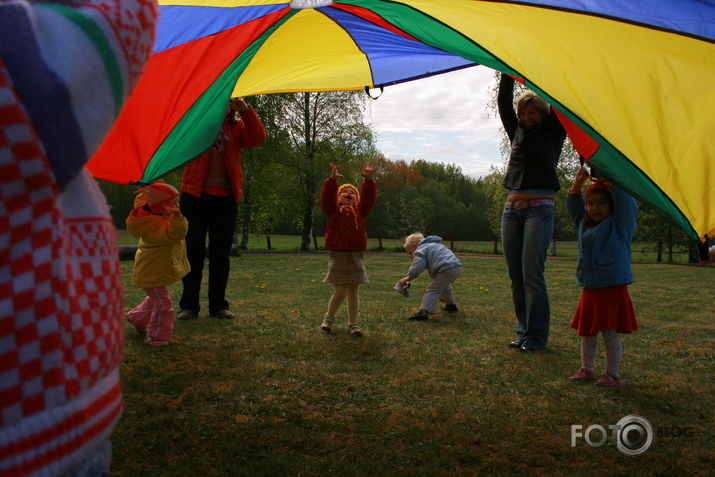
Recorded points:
(534, 152)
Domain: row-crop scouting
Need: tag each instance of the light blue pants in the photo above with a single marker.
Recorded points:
(440, 289)
(526, 235)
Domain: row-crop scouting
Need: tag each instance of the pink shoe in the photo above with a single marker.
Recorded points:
(608, 380)
(583, 374)
(155, 342)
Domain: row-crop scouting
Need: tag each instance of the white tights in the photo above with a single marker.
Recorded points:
(614, 350)
(340, 293)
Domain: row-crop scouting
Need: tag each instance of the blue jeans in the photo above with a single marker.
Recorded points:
(526, 235)
(95, 464)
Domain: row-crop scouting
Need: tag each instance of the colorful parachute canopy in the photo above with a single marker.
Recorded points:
(634, 79)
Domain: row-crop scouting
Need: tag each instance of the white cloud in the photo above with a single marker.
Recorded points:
(440, 119)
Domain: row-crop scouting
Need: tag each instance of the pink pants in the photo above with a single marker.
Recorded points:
(155, 314)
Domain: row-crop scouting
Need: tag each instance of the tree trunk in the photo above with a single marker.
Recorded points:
(309, 177)
(670, 245)
(496, 244)
(247, 200)
(315, 242)
(379, 244)
(268, 241)
(659, 253)
(451, 245)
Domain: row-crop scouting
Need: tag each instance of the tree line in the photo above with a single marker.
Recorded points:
(307, 131)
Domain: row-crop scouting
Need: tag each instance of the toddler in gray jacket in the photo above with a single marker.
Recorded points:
(443, 267)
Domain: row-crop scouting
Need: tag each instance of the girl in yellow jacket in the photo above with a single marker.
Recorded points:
(160, 259)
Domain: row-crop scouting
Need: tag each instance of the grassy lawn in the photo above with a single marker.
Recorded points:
(642, 253)
(270, 394)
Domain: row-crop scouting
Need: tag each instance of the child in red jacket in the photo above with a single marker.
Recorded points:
(346, 237)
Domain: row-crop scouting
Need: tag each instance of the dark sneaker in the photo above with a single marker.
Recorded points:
(186, 315)
(224, 315)
(419, 316)
(527, 348)
(450, 308)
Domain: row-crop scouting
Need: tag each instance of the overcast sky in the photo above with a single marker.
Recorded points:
(440, 119)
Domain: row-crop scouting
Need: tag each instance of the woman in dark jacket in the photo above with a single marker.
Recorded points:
(527, 225)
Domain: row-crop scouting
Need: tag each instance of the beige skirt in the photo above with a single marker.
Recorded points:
(346, 268)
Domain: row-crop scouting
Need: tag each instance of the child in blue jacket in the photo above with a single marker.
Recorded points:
(441, 264)
(605, 223)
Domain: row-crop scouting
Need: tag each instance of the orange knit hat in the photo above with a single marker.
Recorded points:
(158, 193)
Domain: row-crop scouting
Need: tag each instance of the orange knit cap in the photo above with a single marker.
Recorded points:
(158, 193)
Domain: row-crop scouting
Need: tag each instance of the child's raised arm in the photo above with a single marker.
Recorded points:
(578, 181)
(334, 174)
(574, 199)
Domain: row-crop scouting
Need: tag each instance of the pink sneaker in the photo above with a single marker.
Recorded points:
(608, 380)
(583, 374)
(155, 342)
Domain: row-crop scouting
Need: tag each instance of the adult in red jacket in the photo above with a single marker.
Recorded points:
(210, 188)
(346, 237)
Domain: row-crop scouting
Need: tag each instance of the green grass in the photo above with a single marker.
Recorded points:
(270, 394)
(642, 252)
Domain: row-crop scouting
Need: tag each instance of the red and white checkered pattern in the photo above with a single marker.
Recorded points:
(131, 20)
(60, 304)
(60, 281)
(60, 286)
(28, 219)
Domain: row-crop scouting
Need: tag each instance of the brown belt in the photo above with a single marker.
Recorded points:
(525, 204)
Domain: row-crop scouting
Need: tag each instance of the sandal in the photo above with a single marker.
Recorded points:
(608, 380)
(583, 374)
(327, 324)
(354, 330)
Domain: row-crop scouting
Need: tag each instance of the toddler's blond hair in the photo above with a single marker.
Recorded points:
(413, 240)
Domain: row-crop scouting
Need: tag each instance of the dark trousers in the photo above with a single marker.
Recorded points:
(214, 216)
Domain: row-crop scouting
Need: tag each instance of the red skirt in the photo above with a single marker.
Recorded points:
(604, 309)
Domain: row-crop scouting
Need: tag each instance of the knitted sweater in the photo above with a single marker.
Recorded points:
(345, 229)
(65, 71)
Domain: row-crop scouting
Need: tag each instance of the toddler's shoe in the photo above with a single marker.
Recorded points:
(327, 325)
(609, 380)
(155, 342)
(419, 316)
(354, 330)
(583, 374)
(450, 308)
(139, 329)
